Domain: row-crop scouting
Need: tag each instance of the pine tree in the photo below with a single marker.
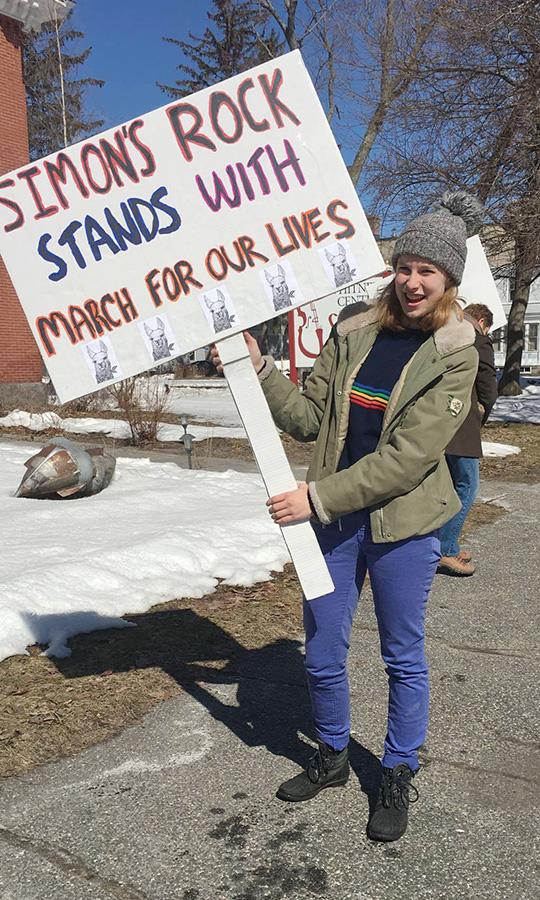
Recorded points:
(237, 39)
(55, 96)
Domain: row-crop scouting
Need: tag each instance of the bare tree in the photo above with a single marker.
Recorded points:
(311, 31)
(286, 19)
(473, 121)
(365, 55)
(397, 38)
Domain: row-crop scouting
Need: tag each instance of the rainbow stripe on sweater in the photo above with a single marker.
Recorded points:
(368, 397)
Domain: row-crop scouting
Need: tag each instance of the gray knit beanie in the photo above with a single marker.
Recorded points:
(441, 236)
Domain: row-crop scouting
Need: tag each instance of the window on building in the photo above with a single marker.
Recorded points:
(531, 336)
(499, 339)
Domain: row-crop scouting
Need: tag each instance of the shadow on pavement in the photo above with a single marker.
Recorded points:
(271, 707)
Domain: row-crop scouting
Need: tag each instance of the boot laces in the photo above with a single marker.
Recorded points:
(397, 790)
(318, 765)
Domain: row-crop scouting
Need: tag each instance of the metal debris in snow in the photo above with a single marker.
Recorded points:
(64, 469)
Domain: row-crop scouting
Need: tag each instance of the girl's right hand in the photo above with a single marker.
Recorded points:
(254, 351)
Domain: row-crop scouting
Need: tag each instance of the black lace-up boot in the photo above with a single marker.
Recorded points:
(327, 768)
(389, 819)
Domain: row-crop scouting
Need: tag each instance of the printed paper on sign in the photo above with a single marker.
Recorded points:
(102, 362)
(198, 199)
(218, 309)
(339, 264)
(280, 285)
(159, 340)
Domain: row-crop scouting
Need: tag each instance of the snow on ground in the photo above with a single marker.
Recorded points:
(157, 533)
(524, 407)
(116, 428)
(215, 404)
(490, 449)
(208, 404)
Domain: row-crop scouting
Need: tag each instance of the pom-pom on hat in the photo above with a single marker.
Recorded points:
(441, 236)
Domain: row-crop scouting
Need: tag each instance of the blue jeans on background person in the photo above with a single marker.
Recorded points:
(401, 575)
(465, 472)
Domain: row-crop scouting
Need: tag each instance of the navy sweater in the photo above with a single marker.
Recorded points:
(372, 387)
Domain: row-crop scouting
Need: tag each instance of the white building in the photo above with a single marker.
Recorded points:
(530, 361)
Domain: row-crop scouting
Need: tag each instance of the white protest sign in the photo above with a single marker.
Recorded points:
(311, 324)
(478, 284)
(202, 218)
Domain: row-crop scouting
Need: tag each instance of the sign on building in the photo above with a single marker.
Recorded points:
(310, 326)
(181, 227)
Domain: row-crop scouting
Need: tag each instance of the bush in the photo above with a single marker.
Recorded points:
(86, 404)
(143, 400)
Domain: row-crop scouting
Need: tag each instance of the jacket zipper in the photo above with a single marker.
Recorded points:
(340, 442)
(386, 427)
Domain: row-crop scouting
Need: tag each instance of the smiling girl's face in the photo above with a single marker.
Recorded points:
(420, 285)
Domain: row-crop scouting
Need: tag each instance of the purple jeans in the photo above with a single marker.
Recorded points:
(401, 576)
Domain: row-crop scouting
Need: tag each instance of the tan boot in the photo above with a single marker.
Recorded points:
(465, 555)
(453, 565)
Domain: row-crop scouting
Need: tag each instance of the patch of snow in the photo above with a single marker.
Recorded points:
(116, 428)
(491, 449)
(499, 500)
(524, 407)
(156, 533)
(205, 404)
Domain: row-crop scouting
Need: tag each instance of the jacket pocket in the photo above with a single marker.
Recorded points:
(428, 506)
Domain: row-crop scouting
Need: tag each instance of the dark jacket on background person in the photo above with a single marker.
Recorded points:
(467, 440)
(405, 483)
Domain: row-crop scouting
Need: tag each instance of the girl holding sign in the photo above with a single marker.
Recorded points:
(387, 393)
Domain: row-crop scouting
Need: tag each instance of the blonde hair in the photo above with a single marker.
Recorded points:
(391, 315)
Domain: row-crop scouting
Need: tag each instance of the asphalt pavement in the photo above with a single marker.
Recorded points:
(184, 808)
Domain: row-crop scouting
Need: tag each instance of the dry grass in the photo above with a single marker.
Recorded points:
(525, 467)
(237, 448)
(53, 708)
(481, 514)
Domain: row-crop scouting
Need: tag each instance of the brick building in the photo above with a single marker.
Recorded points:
(20, 360)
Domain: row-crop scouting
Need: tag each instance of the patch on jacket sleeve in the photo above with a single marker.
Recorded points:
(455, 405)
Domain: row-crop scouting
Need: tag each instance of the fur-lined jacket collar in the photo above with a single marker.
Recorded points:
(454, 335)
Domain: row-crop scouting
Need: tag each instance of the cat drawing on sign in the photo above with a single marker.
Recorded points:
(281, 295)
(342, 271)
(161, 348)
(102, 363)
(220, 314)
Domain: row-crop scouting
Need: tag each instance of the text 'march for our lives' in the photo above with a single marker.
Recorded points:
(184, 226)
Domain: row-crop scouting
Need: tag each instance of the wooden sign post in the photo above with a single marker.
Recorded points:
(273, 463)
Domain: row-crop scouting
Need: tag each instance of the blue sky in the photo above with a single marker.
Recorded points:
(128, 52)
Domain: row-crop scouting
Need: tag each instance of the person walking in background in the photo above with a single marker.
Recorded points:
(386, 394)
(465, 449)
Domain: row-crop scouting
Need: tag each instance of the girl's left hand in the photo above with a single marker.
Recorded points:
(290, 507)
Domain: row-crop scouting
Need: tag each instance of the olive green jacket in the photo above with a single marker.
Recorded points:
(405, 482)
